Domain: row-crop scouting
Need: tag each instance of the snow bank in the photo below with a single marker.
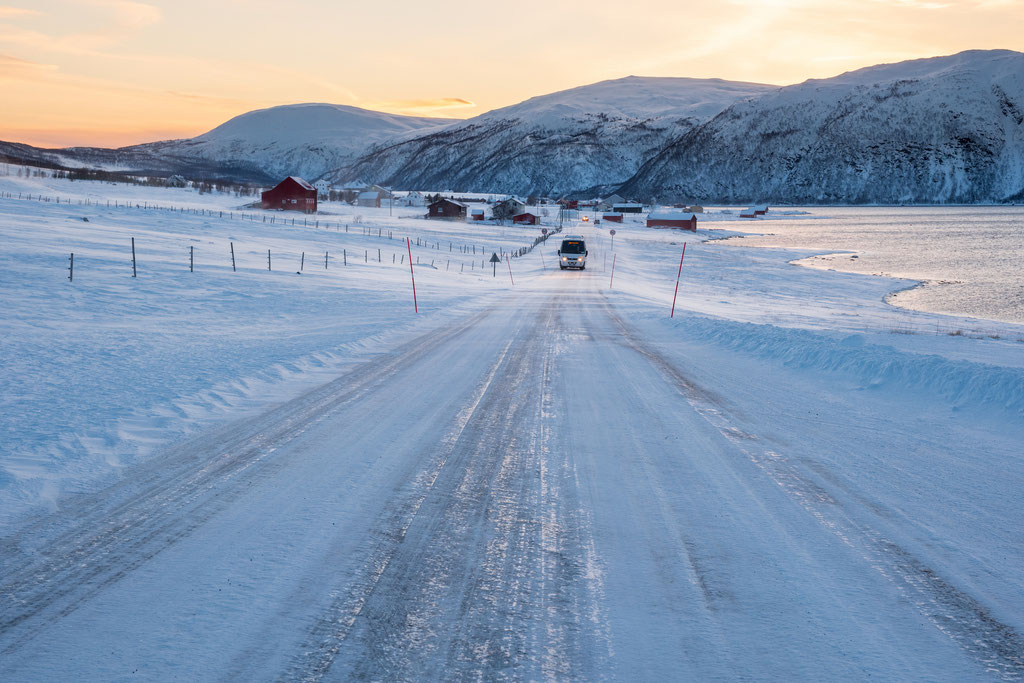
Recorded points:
(873, 366)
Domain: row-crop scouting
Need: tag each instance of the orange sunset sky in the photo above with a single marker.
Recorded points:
(118, 72)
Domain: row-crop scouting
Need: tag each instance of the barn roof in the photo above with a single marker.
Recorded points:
(672, 216)
(302, 183)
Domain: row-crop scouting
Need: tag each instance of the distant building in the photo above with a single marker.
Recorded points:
(177, 181)
(447, 208)
(628, 207)
(607, 203)
(477, 214)
(370, 198)
(508, 208)
(414, 199)
(612, 217)
(748, 213)
(291, 194)
(673, 219)
(760, 209)
(525, 219)
(323, 189)
(569, 203)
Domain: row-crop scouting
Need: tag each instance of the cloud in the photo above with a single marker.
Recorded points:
(13, 67)
(424, 107)
(6, 12)
(129, 14)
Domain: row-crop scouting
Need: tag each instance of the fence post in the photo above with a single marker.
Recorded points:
(268, 259)
(134, 272)
(325, 260)
(71, 268)
(302, 263)
(233, 269)
(191, 259)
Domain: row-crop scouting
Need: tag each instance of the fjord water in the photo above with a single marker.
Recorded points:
(969, 259)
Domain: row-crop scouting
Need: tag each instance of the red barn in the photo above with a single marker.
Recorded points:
(673, 219)
(291, 194)
(447, 208)
(612, 217)
(477, 214)
(524, 219)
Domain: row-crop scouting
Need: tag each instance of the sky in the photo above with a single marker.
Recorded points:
(119, 72)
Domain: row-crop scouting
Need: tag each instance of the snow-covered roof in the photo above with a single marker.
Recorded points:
(631, 205)
(672, 216)
(477, 212)
(452, 201)
(302, 183)
(611, 213)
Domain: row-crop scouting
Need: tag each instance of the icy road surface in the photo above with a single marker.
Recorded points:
(535, 491)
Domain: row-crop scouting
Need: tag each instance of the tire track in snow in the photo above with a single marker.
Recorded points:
(57, 562)
(995, 646)
(493, 572)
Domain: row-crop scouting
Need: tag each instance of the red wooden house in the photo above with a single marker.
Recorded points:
(525, 219)
(673, 219)
(291, 194)
(612, 217)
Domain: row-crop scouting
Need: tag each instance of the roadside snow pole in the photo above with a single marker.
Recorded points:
(673, 313)
(302, 262)
(71, 268)
(416, 306)
(268, 259)
(134, 272)
(191, 259)
(508, 262)
(233, 269)
(325, 260)
(612, 278)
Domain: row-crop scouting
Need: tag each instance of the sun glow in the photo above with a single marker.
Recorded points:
(101, 72)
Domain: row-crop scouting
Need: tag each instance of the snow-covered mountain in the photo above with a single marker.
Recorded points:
(263, 145)
(300, 139)
(593, 136)
(945, 129)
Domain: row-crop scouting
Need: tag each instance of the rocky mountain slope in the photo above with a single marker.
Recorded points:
(946, 129)
(594, 136)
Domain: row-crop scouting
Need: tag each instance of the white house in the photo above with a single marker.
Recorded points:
(323, 189)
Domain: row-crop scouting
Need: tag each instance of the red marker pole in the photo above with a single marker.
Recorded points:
(509, 263)
(414, 304)
(673, 313)
(613, 270)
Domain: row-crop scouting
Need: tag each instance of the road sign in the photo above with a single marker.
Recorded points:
(543, 231)
(612, 232)
(494, 264)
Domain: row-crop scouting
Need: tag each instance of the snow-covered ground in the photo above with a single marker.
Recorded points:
(262, 474)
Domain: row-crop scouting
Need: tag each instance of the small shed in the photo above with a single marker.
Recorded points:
(748, 213)
(628, 208)
(760, 209)
(673, 219)
(612, 217)
(447, 208)
(525, 219)
(477, 214)
(370, 198)
(291, 194)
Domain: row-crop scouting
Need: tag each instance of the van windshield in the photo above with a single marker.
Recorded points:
(573, 247)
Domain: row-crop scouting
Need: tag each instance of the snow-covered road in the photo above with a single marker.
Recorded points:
(551, 487)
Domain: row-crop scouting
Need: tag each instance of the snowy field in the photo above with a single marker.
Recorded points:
(269, 473)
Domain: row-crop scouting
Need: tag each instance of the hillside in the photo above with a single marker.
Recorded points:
(594, 136)
(946, 129)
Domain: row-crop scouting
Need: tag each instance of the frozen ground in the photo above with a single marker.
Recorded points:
(260, 474)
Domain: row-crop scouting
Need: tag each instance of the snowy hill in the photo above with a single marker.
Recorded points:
(946, 129)
(261, 146)
(299, 139)
(586, 137)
